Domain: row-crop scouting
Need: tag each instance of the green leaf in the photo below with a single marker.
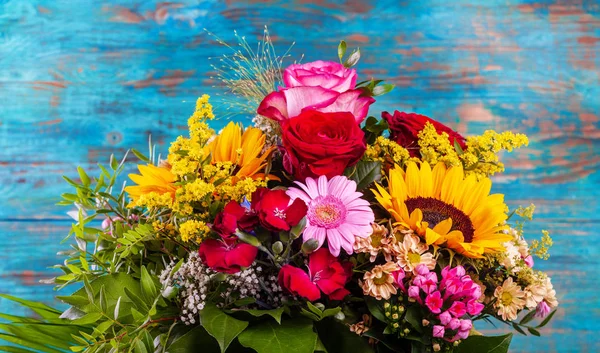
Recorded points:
(458, 148)
(382, 89)
(221, 326)
(85, 179)
(527, 318)
(352, 59)
(337, 338)
(292, 336)
(341, 50)
(11, 349)
(88, 319)
(274, 313)
(140, 155)
(376, 308)
(546, 320)
(195, 340)
(518, 329)
(148, 287)
(364, 174)
(319, 347)
(533, 331)
(487, 344)
(43, 310)
(247, 238)
(414, 316)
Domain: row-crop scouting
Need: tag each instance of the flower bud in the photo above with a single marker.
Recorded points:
(309, 246)
(277, 247)
(339, 316)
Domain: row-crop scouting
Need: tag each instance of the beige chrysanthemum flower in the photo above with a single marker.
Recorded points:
(362, 326)
(379, 282)
(411, 252)
(534, 294)
(550, 294)
(378, 242)
(510, 299)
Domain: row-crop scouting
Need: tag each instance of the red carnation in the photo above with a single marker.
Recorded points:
(227, 255)
(326, 274)
(318, 144)
(275, 210)
(404, 128)
(232, 217)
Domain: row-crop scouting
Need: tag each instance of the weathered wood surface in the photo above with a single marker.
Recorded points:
(80, 80)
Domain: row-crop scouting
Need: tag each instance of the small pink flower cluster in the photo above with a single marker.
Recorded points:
(449, 300)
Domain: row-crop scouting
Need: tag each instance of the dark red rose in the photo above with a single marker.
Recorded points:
(227, 255)
(404, 128)
(275, 211)
(232, 217)
(318, 144)
(327, 275)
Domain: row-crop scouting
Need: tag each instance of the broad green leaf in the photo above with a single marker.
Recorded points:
(24, 342)
(221, 326)
(337, 338)
(85, 179)
(364, 174)
(195, 340)
(414, 316)
(274, 313)
(376, 309)
(292, 336)
(485, 344)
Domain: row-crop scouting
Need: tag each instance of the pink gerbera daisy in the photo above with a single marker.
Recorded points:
(336, 211)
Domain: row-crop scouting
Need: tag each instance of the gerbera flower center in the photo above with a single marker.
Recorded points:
(435, 211)
(326, 212)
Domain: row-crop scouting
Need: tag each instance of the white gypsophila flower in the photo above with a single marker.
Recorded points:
(511, 255)
(194, 278)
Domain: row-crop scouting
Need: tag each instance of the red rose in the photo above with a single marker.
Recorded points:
(318, 144)
(275, 211)
(327, 275)
(227, 255)
(404, 128)
(232, 217)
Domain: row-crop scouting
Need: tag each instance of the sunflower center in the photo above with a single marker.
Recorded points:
(506, 298)
(414, 258)
(435, 211)
(326, 212)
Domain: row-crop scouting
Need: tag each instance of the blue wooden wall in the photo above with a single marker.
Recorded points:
(80, 80)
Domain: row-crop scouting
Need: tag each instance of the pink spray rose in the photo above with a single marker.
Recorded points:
(325, 74)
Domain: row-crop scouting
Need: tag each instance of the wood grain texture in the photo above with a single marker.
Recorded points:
(80, 80)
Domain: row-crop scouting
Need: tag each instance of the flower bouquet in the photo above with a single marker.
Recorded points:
(320, 228)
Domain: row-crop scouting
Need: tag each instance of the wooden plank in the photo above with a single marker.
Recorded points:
(82, 80)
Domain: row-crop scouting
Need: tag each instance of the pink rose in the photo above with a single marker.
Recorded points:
(325, 74)
(290, 102)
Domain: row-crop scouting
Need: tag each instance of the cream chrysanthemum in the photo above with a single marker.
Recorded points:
(411, 253)
(379, 282)
(510, 299)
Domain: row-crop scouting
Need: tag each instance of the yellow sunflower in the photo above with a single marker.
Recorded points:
(151, 179)
(445, 208)
(243, 150)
